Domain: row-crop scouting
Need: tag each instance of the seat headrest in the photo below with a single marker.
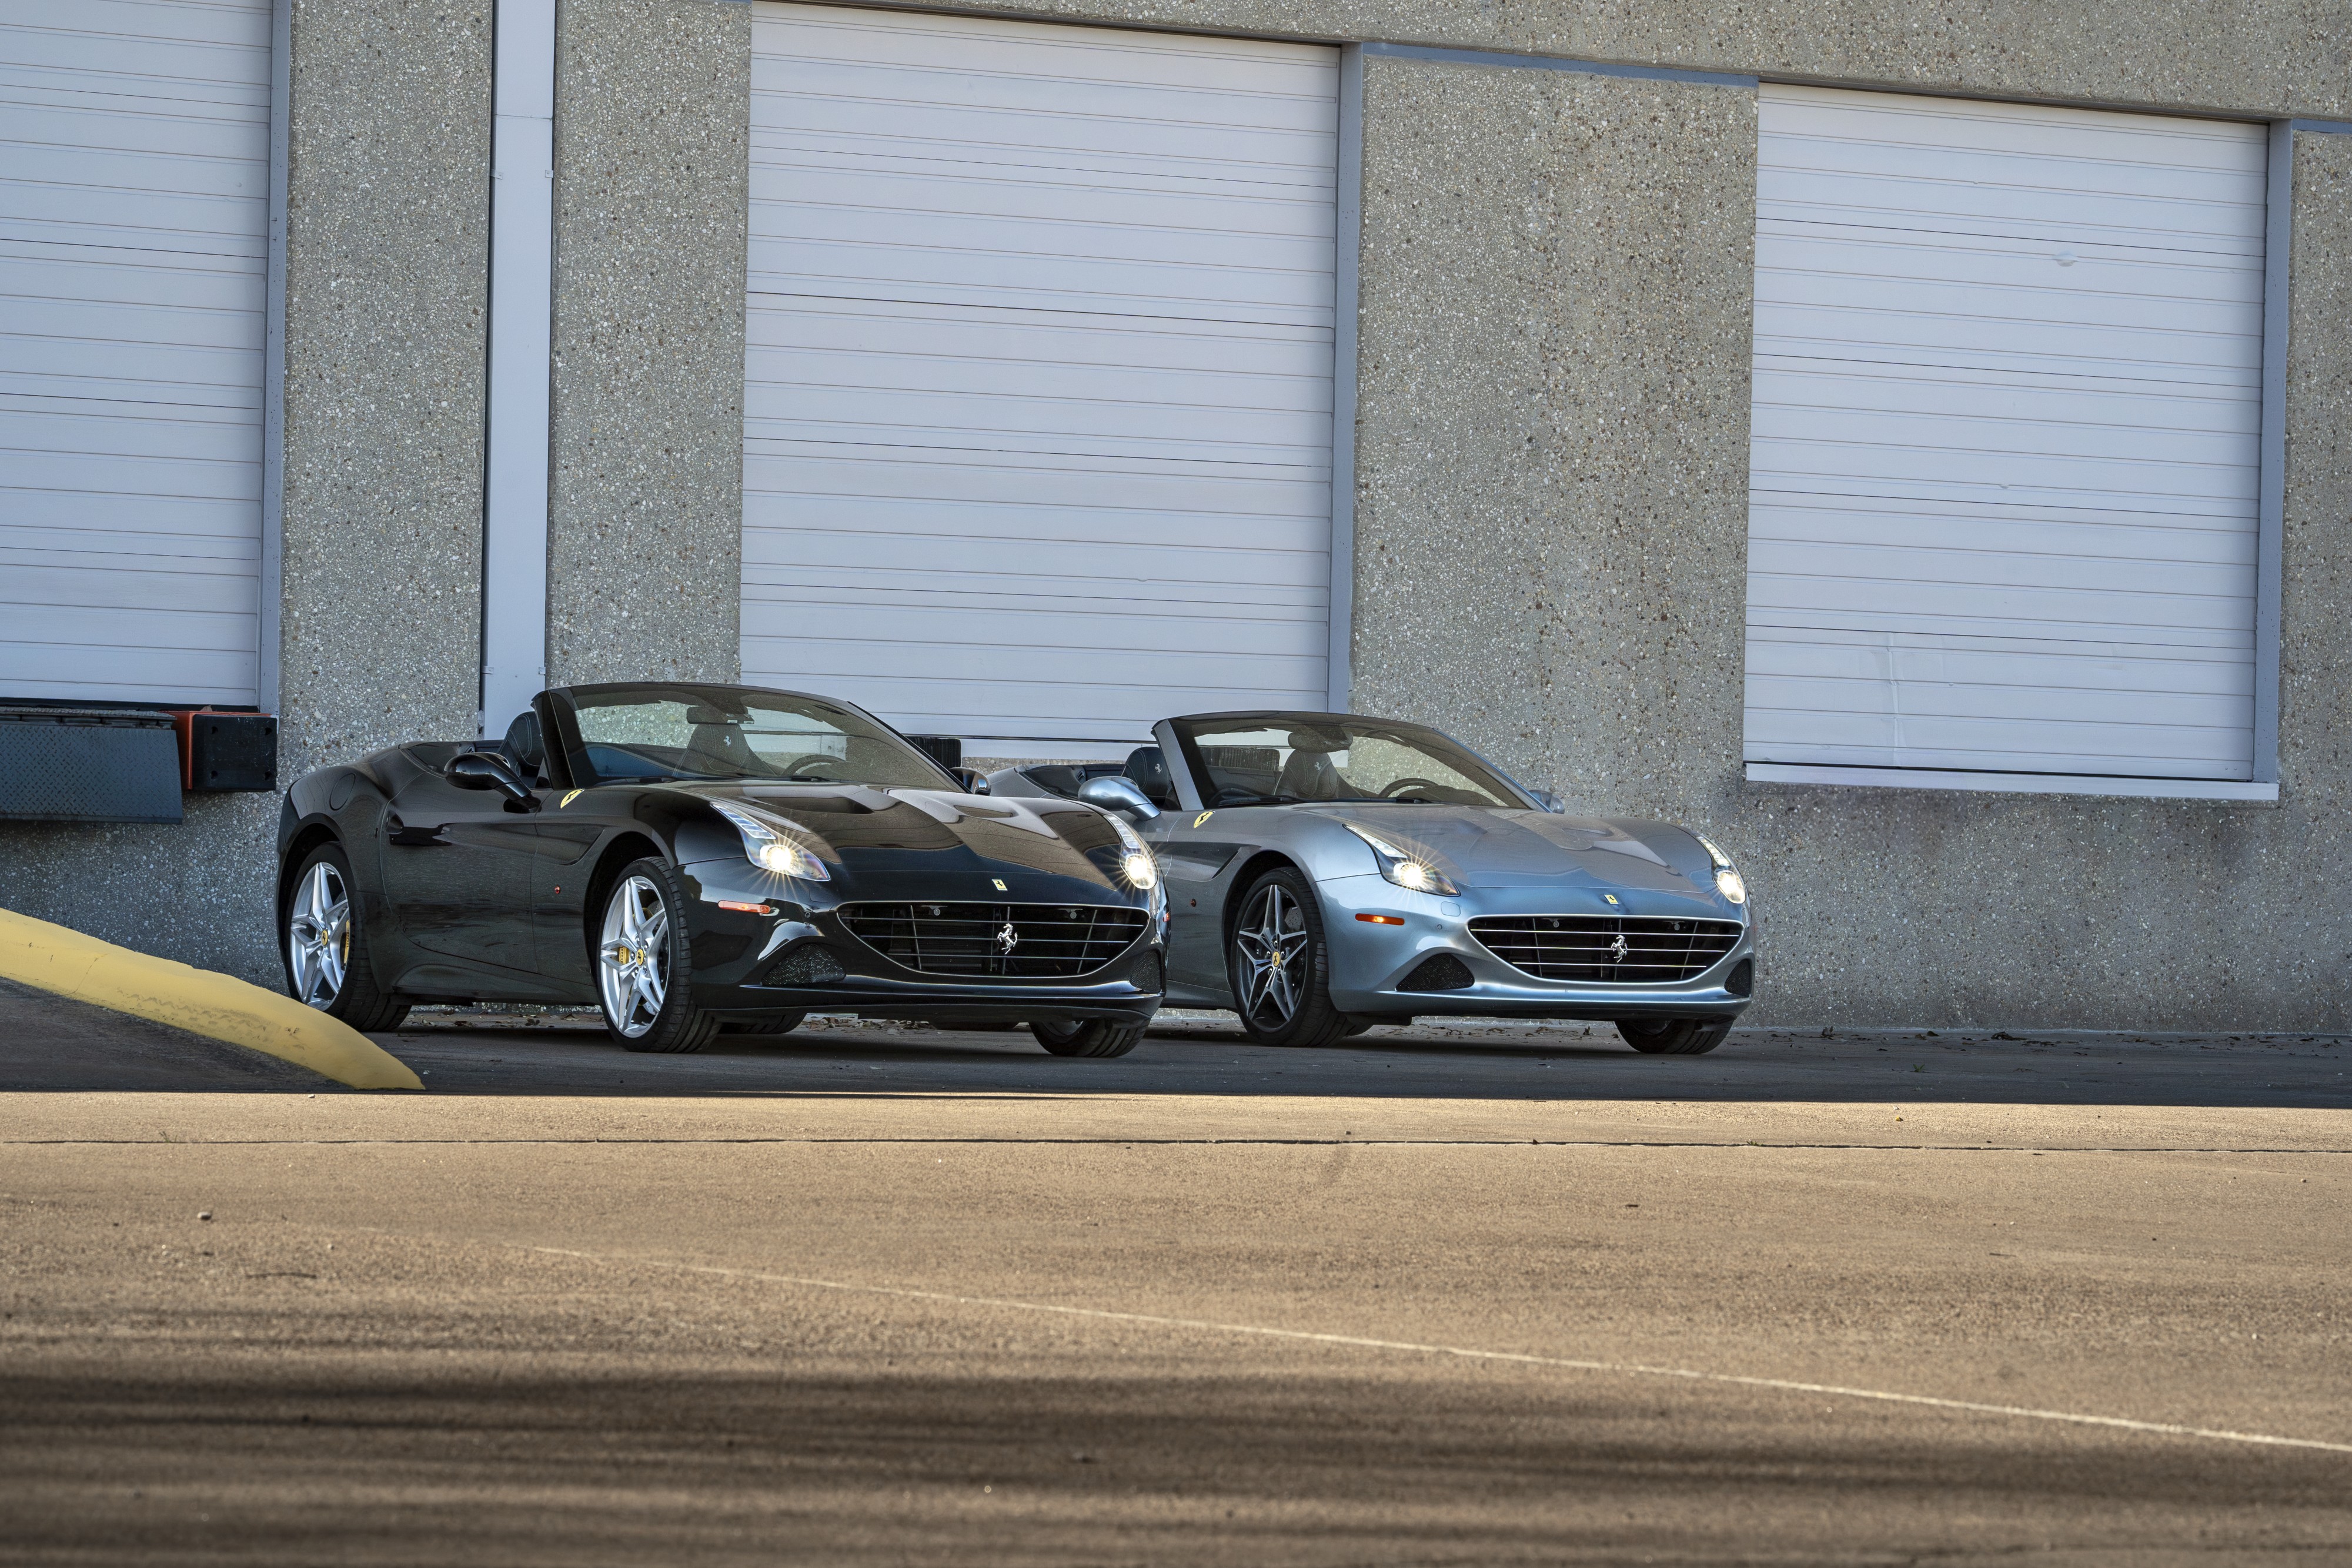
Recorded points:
(524, 746)
(1147, 770)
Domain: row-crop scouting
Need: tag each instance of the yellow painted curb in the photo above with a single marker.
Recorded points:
(58, 959)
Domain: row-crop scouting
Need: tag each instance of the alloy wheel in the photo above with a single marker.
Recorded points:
(1271, 941)
(632, 960)
(319, 936)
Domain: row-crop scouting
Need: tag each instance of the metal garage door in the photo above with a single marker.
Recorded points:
(1037, 421)
(2007, 417)
(133, 250)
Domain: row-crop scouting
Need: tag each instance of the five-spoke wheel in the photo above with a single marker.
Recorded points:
(319, 936)
(326, 950)
(643, 965)
(1276, 959)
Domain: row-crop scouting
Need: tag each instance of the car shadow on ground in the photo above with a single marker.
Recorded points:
(47, 1044)
(1207, 1055)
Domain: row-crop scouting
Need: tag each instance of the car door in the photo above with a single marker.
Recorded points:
(574, 823)
(457, 882)
(1197, 857)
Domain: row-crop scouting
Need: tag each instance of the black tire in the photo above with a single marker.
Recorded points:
(333, 965)
(768, 1023)
(1285, 1000)
(1360, 1025)
(1674, 1037)
(1093, 1037)
(643, 962)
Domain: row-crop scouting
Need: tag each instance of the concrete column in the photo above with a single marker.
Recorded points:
(645, 549)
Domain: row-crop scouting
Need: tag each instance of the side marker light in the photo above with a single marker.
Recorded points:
(1381, 919)
(747, 908)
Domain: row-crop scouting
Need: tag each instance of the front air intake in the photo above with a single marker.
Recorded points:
(1439, 972)
(807, 964)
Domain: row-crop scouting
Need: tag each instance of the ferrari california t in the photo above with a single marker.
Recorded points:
(693, 857)
(1329, 871)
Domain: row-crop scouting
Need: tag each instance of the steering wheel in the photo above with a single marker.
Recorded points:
(1390, 792)
(809, 759)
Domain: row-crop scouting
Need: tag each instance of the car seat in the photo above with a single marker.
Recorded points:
(1147, 770)
(723, 746)
(1308, 776)
(526, 748)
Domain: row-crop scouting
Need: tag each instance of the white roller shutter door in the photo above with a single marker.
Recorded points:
(133, 253)
(2008, 403)
(1037, 417)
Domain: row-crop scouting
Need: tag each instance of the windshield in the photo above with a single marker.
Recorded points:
(1282, 759)
(628, 732)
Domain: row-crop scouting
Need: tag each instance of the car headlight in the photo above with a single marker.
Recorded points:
(1727, 880)
(1141, 871)
(1407, 870)
(766, 845)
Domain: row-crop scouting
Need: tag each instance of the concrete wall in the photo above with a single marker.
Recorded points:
(2266, 57)
(1551, 531)
(389, 182)
(1551, 515)
(645, 513)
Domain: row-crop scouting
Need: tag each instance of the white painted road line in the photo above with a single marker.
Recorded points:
(1629, 1369)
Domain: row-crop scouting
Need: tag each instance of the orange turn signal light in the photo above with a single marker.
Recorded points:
(747, 908)
(1381, 919)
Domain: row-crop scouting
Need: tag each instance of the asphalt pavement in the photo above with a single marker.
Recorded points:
(1446, 1295)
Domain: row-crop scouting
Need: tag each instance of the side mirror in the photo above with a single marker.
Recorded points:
(490, 770)
(1113, 793)
(973, 783)
(1547, 800)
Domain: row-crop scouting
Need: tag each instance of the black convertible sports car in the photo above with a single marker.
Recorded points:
(694, 857)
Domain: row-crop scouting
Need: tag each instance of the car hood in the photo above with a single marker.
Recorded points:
(1481, 847)
(937, 843)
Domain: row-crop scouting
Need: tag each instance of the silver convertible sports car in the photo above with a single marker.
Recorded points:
(1326, 871)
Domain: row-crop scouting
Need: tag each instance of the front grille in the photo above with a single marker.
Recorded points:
(1047, 941)
(1614, 949)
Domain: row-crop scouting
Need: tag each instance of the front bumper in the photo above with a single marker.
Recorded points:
(736, 954)
(1369, 962)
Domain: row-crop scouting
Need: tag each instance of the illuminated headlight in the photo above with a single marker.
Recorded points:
(1727, 880)
(766, 845)
(1142, 872)
(1406, 871)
